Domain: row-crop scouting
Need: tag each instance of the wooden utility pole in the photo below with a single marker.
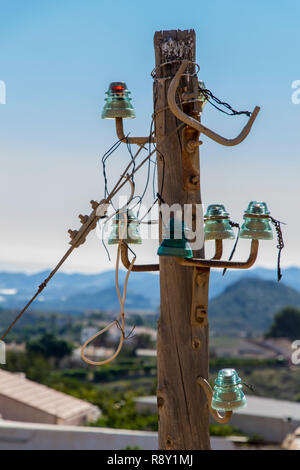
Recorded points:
(182, 348)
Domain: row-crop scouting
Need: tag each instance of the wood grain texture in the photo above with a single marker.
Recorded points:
(182, 349)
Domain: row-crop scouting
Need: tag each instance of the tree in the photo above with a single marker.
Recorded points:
(49, 346)
(143, 341)
(286, 324)
(35, 367)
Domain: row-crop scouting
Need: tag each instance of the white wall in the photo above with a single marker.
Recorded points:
(17, 411)
(30, 436)
(271, 429)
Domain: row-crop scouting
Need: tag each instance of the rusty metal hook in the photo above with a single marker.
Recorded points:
(208, 392)
(196, 124)
(216, 263)
(155, 267)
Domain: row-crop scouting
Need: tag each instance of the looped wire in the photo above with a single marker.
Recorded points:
(154, 76)
(280, 245)
(122, 307)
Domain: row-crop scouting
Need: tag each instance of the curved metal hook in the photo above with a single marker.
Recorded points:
(215, 263)
(208, 392)
(155, 267)
(196, 124)
(138, 267)
(131, 140)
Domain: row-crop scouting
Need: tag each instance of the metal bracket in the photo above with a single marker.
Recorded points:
(200, 292)
(204, 384)
(155, 267)
(131, 140)
(216, 263)
(88, 222)
(137, 267)
(190, 121)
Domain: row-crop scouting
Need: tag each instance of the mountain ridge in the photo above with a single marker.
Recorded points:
(67, 291)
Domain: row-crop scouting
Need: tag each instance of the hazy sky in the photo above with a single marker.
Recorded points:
(57, 58)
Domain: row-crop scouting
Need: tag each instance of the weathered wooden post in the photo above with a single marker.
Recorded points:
(182, 348)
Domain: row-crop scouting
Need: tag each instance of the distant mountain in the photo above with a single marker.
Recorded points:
(218, 282)
(107, 299)
(73, 292)
(249, 305)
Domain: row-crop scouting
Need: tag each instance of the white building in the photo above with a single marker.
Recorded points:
(24, 400)
(28, 436)
(269, 418)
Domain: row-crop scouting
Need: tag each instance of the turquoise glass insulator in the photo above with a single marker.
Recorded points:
(118, 102)
(217, 223)
(256, 222)
(129, 234)
(174, 241)
(228, 392)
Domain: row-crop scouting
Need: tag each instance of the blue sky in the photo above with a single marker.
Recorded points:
(57, 59)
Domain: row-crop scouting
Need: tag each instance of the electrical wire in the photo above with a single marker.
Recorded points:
(213, 99)
(105, 157)
(81, 236)
(122, 299)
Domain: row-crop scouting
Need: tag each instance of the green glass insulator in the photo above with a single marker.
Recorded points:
(228, 392)
(174, 241)
(118, 102)
(217, 223)
(256, 222)
(130, 234)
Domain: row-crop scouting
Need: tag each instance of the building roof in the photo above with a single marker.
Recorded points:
(35, 395)
(256, 406)
(271, 408)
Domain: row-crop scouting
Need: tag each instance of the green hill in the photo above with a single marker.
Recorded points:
(249, 305)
